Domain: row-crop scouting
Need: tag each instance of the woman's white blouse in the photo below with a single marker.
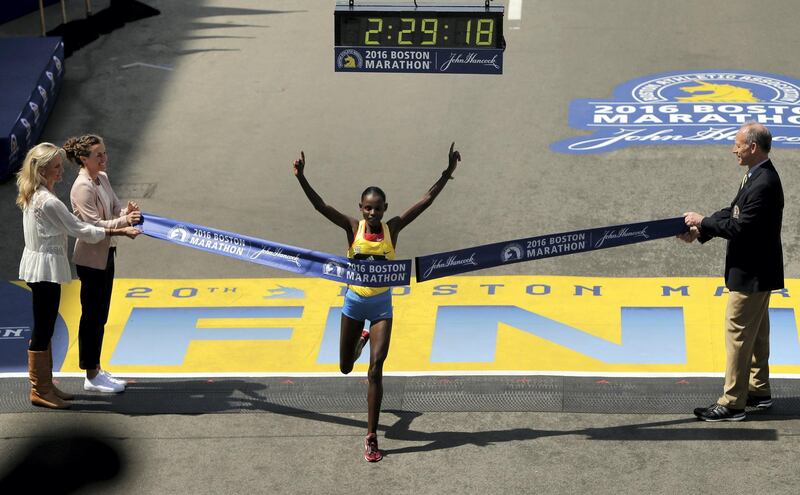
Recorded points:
(46, 222)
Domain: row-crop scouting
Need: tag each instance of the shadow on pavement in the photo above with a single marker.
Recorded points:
(80, 32)
(401, 430)
(56, 463)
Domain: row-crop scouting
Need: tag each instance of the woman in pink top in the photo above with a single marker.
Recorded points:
(93, 201)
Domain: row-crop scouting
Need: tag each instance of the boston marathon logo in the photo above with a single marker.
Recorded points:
(178, 233)
(28, 128)
(349, 59)
(686, 108)
(35, 110)
(216, 241)
(51, 79)
(511, 252)
(388, 273)
(57, 61)
(334, 268)
(213, 241)
(13, 148)
(43, 94)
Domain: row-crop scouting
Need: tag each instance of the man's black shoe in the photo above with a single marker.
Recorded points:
(762, 402)
(716, 412)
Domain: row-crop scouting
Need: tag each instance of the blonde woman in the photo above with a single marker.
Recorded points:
(46, 223)
(93, 201)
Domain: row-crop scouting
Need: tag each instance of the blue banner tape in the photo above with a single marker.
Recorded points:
(368, 273)
(545, 246)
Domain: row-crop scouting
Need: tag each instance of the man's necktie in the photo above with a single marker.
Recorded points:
(744, 181)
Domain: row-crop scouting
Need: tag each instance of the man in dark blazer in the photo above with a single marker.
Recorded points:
(753, 269)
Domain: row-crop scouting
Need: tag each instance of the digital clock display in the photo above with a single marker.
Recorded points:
(422, 27)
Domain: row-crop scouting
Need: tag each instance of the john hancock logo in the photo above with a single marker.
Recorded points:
(686, 108)
(349, 59)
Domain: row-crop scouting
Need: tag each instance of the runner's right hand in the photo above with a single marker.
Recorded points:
(300, 165)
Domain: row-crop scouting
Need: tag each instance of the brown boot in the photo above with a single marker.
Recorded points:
(41, 376)
(60, 393)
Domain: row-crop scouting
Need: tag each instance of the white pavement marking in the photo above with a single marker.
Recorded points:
(142, 64)
(333, 374)
(514, 10)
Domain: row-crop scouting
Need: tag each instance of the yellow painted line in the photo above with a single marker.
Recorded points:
(590, 306)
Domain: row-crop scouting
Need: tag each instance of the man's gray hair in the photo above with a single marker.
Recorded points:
(759, 134)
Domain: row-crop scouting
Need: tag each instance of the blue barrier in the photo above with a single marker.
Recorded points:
(31, 74)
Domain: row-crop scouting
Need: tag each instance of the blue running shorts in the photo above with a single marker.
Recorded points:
(373, 308)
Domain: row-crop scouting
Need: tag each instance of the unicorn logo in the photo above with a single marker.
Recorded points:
(333, 268)
(52, 80)
(349, 62)
(27, 126)
(43, 93)
(13, 148)
(179, 233)
(349, 59)
(35, 110)
(706, 91)
(511, 252)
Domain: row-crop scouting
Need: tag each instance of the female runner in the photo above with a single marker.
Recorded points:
(370, 238)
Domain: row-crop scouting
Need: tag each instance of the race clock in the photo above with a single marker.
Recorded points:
(454, 39)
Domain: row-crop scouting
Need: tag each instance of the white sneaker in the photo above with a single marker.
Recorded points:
(114, 379)
(102, 384)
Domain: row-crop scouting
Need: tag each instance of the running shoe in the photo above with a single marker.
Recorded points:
(362, 341)
(762, 402)
(371, 451)
(717, 412)
(101, 383)
(114, 378)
